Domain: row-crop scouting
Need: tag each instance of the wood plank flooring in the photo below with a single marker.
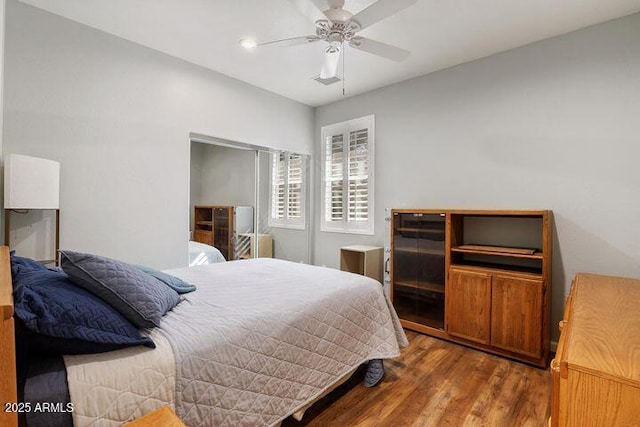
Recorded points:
(438, 383)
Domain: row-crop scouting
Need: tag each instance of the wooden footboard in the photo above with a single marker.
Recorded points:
(8, 381)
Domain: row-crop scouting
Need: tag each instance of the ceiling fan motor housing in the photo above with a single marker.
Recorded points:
(336, 31)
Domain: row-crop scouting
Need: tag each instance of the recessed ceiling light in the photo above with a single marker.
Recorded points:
(248, 44)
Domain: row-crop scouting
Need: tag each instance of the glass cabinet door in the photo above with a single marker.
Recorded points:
(419, 267)
(222, 232)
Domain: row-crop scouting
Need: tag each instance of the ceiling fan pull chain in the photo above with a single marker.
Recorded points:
(344, 59)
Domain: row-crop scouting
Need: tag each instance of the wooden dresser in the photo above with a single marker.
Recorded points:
(596, 372)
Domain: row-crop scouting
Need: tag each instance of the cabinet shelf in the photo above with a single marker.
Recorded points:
(412, 314)
(419, 286)
(205, 223)
(425, 251)
(420, 230)
(460, 249)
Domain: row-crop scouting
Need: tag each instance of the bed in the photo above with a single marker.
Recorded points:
(258, 341)
(201, 254)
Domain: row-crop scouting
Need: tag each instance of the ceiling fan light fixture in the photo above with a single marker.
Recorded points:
(333, 47)
(248, 44)
(328, 81)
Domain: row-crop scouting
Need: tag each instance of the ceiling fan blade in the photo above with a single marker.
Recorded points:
(378, 48)
(380, 10)
(292, 41)
(330, 65)
(311, 9)
(322, 5)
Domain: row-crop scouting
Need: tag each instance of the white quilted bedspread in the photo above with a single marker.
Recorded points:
(108, 389)
(261, 338)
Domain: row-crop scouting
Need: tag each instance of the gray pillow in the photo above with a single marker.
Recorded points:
(139, 297)
(175, 283)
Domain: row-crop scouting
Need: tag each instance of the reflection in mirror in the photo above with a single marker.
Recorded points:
(283, 200)
(237, 188)
(222, 188)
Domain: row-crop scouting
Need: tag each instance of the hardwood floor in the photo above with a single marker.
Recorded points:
(437, 383)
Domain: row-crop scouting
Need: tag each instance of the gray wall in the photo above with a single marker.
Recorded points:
(227, 176)
(553, 125)
(195, 178)
(118, 117)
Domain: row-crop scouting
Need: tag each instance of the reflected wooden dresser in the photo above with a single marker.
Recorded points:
(596, 372)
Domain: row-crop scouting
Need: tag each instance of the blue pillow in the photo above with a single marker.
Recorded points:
(139, 297)
(175, 283)
(62, 318)
(19, 264)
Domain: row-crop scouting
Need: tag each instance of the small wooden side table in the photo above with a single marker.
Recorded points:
(362, 259)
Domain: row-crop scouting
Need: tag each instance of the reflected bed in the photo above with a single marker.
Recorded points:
(202, 254)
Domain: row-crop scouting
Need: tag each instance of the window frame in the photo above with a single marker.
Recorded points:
(286, 222)
(345, 128)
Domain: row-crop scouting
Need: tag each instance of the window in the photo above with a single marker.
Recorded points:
(287, 190)
(347, 176)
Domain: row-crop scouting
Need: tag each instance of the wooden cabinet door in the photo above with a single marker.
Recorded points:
(469, 305)
(418, 269)
(205, 237)
(516, 322)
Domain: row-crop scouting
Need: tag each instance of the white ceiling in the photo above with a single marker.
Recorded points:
(439, 34)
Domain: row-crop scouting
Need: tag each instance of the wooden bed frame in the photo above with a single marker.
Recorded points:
(8, 380)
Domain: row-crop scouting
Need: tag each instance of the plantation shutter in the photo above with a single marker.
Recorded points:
(358, 206)
(278, 196)
(347, 175)
(294, 187)
(288, 190)
(334, 191)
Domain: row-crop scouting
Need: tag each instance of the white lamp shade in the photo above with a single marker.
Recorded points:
(31, 183)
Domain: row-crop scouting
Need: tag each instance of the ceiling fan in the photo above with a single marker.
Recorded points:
(339, 27)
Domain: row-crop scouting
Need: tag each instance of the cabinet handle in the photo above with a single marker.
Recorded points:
(386, 265)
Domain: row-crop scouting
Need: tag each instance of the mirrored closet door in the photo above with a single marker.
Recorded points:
(247, 202)
(284, 204)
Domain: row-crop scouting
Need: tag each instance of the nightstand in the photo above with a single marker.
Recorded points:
(362, 259)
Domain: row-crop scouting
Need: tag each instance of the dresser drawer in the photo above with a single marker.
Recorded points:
(596, 372)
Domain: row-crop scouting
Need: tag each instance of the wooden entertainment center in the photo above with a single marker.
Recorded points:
(481, 278)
